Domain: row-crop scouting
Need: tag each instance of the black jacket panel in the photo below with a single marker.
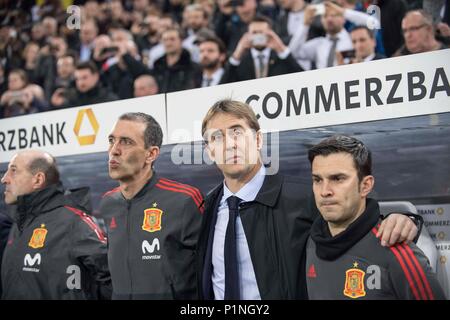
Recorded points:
(246, 69)
(276, 225)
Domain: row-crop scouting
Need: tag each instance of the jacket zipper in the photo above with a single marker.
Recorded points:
(128, 247)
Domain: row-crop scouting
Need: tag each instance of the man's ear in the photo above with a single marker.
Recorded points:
(259, 140)
(39, 181)
(366, 185)
(152, 154)
(210, 152)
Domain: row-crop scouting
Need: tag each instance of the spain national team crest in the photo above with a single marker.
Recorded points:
(38, 238)
(354, 283)
(152, 220)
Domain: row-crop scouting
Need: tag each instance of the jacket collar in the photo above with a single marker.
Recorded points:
(267, 195)
(331, 248)
(149, 185)
(37, 203)
(270, 190)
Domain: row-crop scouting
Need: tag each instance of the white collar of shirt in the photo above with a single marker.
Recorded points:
(369, 57)
(256, 53)
(216, 76)
(340, 35)
(250, 190)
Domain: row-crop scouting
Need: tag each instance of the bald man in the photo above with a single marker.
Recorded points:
(55, 250)
(145, 85)
(418, 32)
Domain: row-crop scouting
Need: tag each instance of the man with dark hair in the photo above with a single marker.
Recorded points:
(260, 53)
(152, 222)
(253, 236)
(344, 238)
(55, 250)
(212, 57)
(88, 88)
(175, 70)
(364, 43)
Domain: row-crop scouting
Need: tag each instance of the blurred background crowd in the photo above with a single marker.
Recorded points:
(118, 49)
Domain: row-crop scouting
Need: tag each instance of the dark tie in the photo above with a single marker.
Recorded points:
(208, 82)
(332, 53)
(261, 65)
(230, 252)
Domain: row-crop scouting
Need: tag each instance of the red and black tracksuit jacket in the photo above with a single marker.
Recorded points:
(152, 240)
(354, 265)
(55, 250)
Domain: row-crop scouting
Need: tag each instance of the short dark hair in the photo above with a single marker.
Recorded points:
(46, 166)
(87, 65)
(362, 157)
(261, 18)
(216, 40)
(153, 134)
(370, 32)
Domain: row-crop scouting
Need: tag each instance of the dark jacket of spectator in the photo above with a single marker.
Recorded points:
(392, 13)
(97, 94)
(246, 69)
(121, 80)
(183, 75)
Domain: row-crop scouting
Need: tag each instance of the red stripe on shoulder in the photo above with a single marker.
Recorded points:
(88, 220)
(172, 183)
(413, 270)
(419, 268)
(111, 192)
(197, 202)
(405, 271)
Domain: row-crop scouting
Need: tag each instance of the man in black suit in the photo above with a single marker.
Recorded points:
(364, 43)
(260, 53)
(256, 223)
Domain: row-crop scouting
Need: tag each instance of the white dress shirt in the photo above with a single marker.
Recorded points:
(247, 279)
(215, 77)
(317, 49)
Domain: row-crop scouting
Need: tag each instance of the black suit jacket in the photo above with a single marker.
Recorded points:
(276, 226)
(246, 69)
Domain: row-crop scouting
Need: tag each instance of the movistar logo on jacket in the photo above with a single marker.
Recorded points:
(30, 262)
(150, 248)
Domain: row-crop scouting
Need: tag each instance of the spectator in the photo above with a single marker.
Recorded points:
(145, 85)
(212, 58)
(88, 89)
(157, 51)
(418, 31)
(65, 79)
(291, 19)
(233, 19)
(30, 57)
(321, 51)
(50, 25)
(363, 47)
(175, 71)
(21, 97)
(88, 32)
(125, 67)
(146, 35)
(260, 53)
(196, 20)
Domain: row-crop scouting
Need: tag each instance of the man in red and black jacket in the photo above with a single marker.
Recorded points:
(55, 250)
(152, 222)
(343, 239)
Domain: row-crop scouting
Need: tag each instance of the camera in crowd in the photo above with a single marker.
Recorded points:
(259, 40)
(110, 51)
(348, 54)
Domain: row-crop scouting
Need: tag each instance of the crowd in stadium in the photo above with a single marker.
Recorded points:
(122, 49)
